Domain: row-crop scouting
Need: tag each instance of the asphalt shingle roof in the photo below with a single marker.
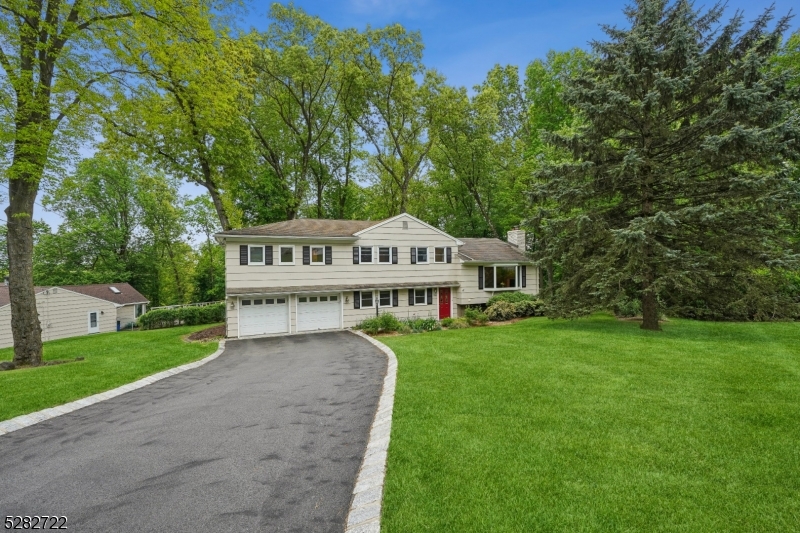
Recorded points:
(490, 250)
(127, 294)
(306, 227)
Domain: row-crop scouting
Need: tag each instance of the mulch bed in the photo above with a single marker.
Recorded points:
(208, 334)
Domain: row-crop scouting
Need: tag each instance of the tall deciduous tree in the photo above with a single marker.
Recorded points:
(304, 75)
(397, 113)
(681, 170)
(184, 111)
(56, 58)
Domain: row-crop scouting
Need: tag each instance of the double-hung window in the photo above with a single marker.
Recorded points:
(287, 255)
(420, 297)
(317, 255)
(256, 255)
(422, 254)
(440, 255)
(384, 254)
(366, 299)
(385, 298)
(366, 254)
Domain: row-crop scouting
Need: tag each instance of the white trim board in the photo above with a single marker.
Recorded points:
(23, 421)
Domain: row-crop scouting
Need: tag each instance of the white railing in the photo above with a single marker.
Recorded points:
(176, 306)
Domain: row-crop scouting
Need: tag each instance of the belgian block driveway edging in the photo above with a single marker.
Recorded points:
(365, 510)
(23, 421)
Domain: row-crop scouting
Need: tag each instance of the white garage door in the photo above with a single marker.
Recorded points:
(260, 316)
(318, 311)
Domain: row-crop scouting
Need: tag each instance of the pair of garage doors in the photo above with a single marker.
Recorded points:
(269, 315)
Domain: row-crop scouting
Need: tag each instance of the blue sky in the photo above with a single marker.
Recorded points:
(465, 38)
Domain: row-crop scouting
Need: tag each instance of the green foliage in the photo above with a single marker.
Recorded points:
(188, 316)
(385, 323)
(511, 296)
(447, 322)
(459, 323)
(475, 317)
(501, 311)
(420, 325)
(680, 180)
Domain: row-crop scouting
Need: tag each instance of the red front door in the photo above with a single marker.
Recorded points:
(444, 302)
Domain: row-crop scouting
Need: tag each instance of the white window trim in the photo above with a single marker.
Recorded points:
(372, 255)
(361, 300)
(427, 255)
(444, 254)
(311, 255)
(379, 299)
(378, 255)
(91, 329)
(517, 280)
(294, 256)
(263, 256)
(424, 296)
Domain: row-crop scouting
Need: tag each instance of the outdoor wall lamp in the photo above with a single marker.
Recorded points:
(347, 299)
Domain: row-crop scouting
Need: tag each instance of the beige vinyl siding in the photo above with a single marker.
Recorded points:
(63, 314)
(343, 271)
(469, 293)
(402, 311)
(126, 314)
(232, 317)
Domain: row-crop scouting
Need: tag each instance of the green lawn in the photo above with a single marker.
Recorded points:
(112, 360)
(596, 425)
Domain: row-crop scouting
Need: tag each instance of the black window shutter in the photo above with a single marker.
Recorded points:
(268, 255)
(413, 256)
(410, 296)
(328, 255)
(394, 255)
(356, 300)
(395, 298)
(524, 276)
(430, 296)
(356, 254)
(449, 254)
(243, 254)
(480, 278)
(306, 255)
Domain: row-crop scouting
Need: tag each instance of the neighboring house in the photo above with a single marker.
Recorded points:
(310, 274)
(73, 310)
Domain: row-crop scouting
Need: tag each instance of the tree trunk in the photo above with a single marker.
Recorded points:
(218, 205)
(25, 326)
(650, 311)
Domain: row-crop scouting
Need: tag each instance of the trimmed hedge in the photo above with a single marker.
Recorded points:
(504, 310)
(510, 297)
(187, 316)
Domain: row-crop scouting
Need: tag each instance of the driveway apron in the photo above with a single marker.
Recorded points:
(268, 437)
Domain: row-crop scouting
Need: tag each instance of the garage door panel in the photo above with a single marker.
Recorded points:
(263, 316)
(318, 311)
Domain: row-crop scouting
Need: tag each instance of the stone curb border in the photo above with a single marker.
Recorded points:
(365, 510)
(30, 419)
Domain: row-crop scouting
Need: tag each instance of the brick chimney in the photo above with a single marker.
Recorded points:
(516, 237)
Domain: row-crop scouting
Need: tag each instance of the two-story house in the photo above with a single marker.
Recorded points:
(310, 274)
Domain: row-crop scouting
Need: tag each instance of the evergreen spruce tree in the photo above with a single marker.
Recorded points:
(680, 168)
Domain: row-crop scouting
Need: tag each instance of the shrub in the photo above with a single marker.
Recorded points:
(475, 317)
(527, 308)
(189, 316)
(385, 323)
(501, 311)
(419, 325)
(447, 322)
(510, 297)
(459, 323)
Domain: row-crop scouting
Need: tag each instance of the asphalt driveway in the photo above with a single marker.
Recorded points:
(267, 437)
